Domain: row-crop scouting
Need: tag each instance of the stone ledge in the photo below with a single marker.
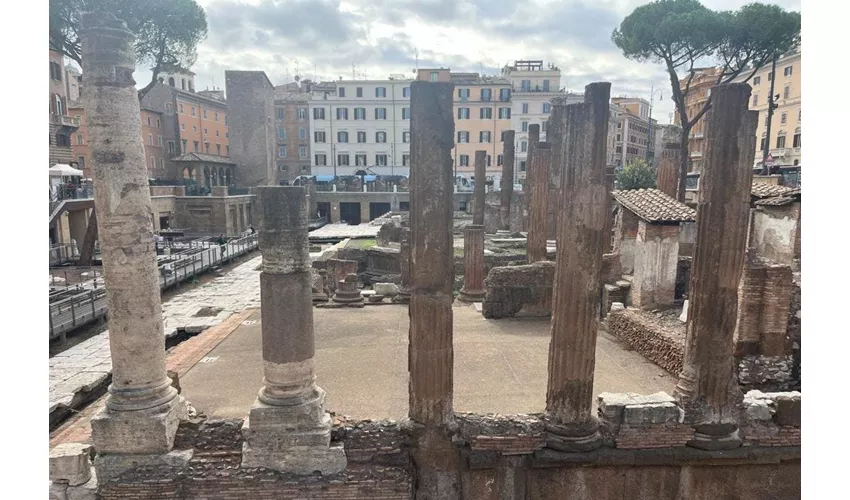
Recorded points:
(684, 455)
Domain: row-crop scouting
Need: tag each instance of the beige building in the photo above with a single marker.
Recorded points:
(698, 93)
(632, 139)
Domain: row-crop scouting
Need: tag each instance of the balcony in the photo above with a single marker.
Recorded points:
(65, 120)
(778, 153)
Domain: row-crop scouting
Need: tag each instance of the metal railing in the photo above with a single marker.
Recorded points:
(78, 305)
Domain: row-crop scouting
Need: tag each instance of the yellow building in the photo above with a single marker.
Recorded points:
(698, 93)
(633, 130)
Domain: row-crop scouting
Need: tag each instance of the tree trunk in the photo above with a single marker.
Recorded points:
(685, 162)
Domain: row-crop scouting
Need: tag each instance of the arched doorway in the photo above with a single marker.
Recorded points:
(227, 177)
(171, 80)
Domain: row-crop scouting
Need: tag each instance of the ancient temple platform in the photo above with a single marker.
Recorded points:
(361, 362)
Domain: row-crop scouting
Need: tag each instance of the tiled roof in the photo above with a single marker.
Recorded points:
(761, 190)
(790, 196)
(203, 157)
(652, 205)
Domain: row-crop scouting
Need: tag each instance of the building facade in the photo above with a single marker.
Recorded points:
(634, 129)
(62, 123)
(360, 126)
(292, 122)
(698, 93)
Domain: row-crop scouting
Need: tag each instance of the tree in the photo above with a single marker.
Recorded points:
(636, 174)
(683, 33)
(167, 31)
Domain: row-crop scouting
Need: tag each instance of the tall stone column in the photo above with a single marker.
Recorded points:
(610, 177)
(533, 139)
(480, 187)
(142, 410)
(667, 177)
(507, 189)
(555, 136)
(707, 388)
(539, 191)
(473, 264)
(575, 307)
(403, 296)
(287, 428)
(431, 354)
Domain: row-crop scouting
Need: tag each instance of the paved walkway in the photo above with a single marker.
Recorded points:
(83, 367)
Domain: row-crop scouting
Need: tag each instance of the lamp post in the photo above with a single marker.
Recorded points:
(650, 141)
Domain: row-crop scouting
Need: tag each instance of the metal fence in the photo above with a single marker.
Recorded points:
(77, 305)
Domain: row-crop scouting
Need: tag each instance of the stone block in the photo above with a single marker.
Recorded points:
(386, 289)
(304, 414)
(87, 491)
(70, 463)
(651, 413)
(658, 406)
(617, 306)
(110, 466)
(788, 409)
(684, 316)
(58, 491)
(138, 432)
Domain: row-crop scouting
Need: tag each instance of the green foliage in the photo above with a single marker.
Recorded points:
(636, 174)
(167, 31)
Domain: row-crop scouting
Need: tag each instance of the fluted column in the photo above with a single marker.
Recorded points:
(473, 264)
(537, 230)
(667, 177)
(287, 428)
(143, 409)
(480, 187)
(403, 296)
(707, 388)
(575, 308)
(533, 139)
(507, 188)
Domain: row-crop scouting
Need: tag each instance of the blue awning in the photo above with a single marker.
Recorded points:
(369, 178)
(324, 178)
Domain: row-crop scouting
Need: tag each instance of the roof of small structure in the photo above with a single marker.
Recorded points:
(762, 190)
(203, 157)
(654, 206)
(788, 197)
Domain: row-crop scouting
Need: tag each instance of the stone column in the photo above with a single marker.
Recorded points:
(707, 388)
(347, 291)
(287, 428)
(507, 189)
(473, 264)
(610, 177)
(403, 296)
(539, 193)
(142, 410)
(667, 177)
(480, 187)
(533, 139)
(575, 306)
(430, 352)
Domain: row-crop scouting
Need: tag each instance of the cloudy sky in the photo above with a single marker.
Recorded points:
(328, 39)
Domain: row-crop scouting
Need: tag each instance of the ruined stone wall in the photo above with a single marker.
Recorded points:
(625, 238)
(250, 114)
(683, 275)
(519, 290)
(775, 233)
(209, 215)
(492, 212)
(656, 257)
(662, 344)
(687, 238)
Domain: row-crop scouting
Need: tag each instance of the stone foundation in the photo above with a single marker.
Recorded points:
(519, 291)
(661, 343)
(767, 372)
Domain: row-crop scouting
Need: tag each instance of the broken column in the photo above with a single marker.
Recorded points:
(480, 187)
(667, 177)
(533, 139)
(431, 355)
(707, 388)
(142, 410)
(403, 296)
(539, 191)
(473, 264)
(571, 426)
(347, 291)
(287, 428)
(507, 189)
(610, 177)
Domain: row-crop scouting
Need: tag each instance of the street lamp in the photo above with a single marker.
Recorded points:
(650, 142)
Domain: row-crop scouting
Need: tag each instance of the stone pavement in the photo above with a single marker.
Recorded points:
(78, 370)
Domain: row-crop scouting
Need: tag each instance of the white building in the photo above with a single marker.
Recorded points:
(360, 125)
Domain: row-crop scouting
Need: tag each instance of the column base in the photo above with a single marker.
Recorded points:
(403, 296)
(573, 438)
(471, 295)
(138, 432)
(347, 297)
(109, 466)
(294, 439)
(715, 437)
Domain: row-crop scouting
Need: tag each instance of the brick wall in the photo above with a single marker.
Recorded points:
(764, 300)
(525, 290)
(250, 113)
(663, 345)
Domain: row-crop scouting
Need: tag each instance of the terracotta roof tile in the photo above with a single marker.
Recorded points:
(653, 205)
(204, 157)
(761, 190)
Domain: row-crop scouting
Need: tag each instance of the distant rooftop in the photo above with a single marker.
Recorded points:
(205, 158)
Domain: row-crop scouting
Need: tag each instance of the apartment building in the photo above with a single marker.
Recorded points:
(292, 127)
(62, 123)
(634, 129)
(698, 93)
(360, 125)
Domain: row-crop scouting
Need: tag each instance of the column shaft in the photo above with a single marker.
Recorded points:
(575, 308)
(480, 187)
(533, 139)
(403, 296)
(507, 188)
(667, 177)
(707, 387)
(473, 264)
(539, 191)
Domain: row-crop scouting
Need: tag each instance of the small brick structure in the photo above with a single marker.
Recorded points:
(660, 341)
(633, 421)
(772, 419)
(519, 290)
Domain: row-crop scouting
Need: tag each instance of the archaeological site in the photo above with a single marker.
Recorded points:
(376, 336)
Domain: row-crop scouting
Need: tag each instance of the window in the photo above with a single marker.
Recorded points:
(359, 113)
(342, 136)
(342, 113)
(302, 113)
(319, 137)
(787, 92)
(196, 146)
(158, 123)
(756, 81)
(63, 140)
(216, 117)
(381, 92)
(341, 91)
(504, 95)
(381, 160)
(405, 136)
(361, 137)
(153, 163)
(799, 116)
(281, 133)
(318, 113)
(789, 70)
(225, 120)
(463, 137)
(488, 161)
(205, 131)
(193, 110)
(524, 126)
(434, 76)
(755, 100)
(150, 139)
(504, 113)
(463, 113)
(405, 92)
(181, 107)
(218, 149)
(525, 108)
(484, 136)
(149, 121)
(783, 118)
(302, 151)
(304, 168)
(486, 113)
(405, 160)
(796, 142)
(79, 139)
(619, 138)
(159, 140)
(281, 151)
(770, 77)
(486, 95)
(360, 160)
(543, 126)
(763, 144)
(464, 160)
(522, 166)
(280, 113)
(619, 149)
(499, 160)
(321, 159)
(545, 85)
(206, 147)
(380, 137)
(525, 85)
(185, 145)
(359, 91)
(342, 159)
(463, 94)
(523, 146)
(547, 107)
(55, 71)
(380, 113)
(302, 133)
(405, 113)
(171, 147)
(205, 113)
(169, 108)
(282, 167)
(780, 142)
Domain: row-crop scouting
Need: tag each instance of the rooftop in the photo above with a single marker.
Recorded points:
(762, 190)
(654, 206)
(204, 157)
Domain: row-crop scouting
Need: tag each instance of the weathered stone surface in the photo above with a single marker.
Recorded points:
(507, 187)
(654, 339)
(70, 463)
(85, 491)
(473, 264)
(519, 290)
(538, 232)
(386, 289)
(110, 466)
(480, 187)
